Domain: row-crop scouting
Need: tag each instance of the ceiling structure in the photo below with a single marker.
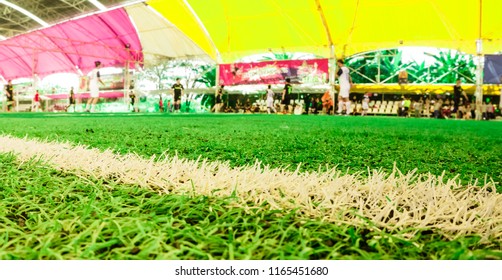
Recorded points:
(14, 22)
(132, 35)
(72, 46)
(228, 30)
(232, 29)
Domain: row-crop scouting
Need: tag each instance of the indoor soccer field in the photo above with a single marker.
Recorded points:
(153, 186)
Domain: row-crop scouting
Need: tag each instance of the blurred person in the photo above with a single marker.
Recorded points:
(427, 107)
(312, 106)
(9, 93)
(161, 104)
(286, 96)
(466, 98)
(460, 109)
(319, 105)
(327, 103)
(132, 99)
(365, 105)
(178, 92)
(417, 106)
(403, 77)
(457, 93)
(92, 84)
(298, 107)
(438, 104)
(341, 105)
(218, 104)
(169, 107)
(247, 106)
(467, 102)
(467, 114)
(484, 111)
(473, 109)
(255, 108)
(35, 107)
(239, 107)
(405, 107)
(490, 111)
(446, 110)
(270, 100)
(345, 82)
(71, 100)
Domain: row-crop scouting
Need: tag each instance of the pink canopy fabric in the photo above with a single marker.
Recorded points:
(71, 46)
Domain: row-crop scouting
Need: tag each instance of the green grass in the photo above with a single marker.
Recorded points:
(51, 215)
(47, 214)
(469, 149)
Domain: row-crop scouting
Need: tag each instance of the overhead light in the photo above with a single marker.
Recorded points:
(25, 12)
(98, 5)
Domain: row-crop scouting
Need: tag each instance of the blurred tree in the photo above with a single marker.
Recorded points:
(194, 73)
(157, 72)
(447, 67)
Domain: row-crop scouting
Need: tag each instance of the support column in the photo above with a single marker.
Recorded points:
(332, 71)
(34, 86)
(4, 96)
(216, 85)
(479, 63)
(126, 77)
(479, 74)
(479, 69)
(33, 74)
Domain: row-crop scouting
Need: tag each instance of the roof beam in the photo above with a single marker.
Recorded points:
(324, 22)
(98, 5)
(77, 5)
(25, 12)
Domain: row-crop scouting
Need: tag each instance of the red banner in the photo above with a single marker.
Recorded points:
(311, 71)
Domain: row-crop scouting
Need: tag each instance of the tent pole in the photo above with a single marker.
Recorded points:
(126, 76)
(479, 66)
(3, 95)
(33, 67)
(479, 75)
(34, 82)
(332, 70)
(216, 84)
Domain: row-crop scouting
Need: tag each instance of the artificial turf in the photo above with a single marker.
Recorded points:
(53, 215)
(467, 149)
(48, 214)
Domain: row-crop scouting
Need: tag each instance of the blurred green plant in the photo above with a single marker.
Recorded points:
(446, 68)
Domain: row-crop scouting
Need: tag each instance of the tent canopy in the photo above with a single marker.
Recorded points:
(159, 37)
(228, 30)
(71, 46)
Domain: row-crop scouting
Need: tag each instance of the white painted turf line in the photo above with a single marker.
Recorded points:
(395, 201)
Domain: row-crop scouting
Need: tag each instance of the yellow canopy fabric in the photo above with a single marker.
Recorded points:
(179, 14)
(151, 27)
(228, 30)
